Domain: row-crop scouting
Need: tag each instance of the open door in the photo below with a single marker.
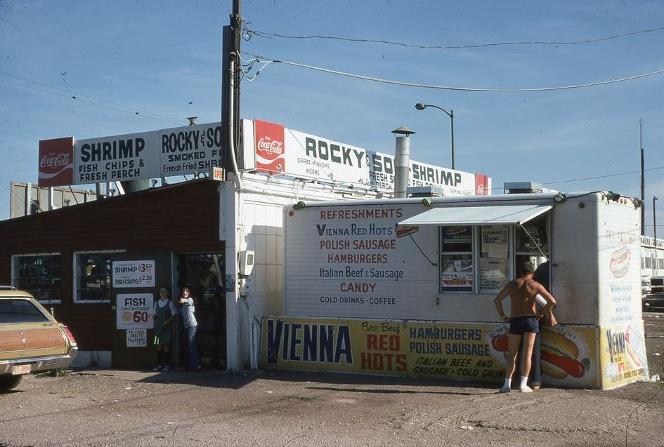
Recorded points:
(204, 273)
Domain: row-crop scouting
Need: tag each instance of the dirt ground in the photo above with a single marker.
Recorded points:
(266, 408)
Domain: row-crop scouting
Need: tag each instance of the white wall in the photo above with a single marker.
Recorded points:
(574, 255)
(260, 223)
(619, 263)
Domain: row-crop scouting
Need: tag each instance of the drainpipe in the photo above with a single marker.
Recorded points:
(230, 203)
(401, 161)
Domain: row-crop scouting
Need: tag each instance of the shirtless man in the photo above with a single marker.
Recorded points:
(524, 321)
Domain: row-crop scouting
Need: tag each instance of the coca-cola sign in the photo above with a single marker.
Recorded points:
(56, 165)
(482, 185)
(55, 161)
(270, 147)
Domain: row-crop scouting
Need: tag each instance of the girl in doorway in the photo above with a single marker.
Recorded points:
(188, 314)
(163, 314)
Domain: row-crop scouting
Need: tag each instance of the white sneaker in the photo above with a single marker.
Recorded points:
(504, 389)
(525, 389)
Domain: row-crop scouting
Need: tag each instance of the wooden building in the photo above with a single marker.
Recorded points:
(65, 256)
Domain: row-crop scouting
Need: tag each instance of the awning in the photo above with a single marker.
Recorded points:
(478, 215)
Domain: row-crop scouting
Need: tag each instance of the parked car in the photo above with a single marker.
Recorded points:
(31, 340)
(653, 302)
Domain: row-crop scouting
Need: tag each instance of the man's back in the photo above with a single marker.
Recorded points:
(523, 291)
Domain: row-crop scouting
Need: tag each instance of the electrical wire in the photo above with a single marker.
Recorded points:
(421, 251)
(602, 176)
(591, 178)
(87, 99)
(456, 88)
(248, 33)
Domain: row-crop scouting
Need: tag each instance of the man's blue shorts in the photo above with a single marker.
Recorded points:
(524, 325)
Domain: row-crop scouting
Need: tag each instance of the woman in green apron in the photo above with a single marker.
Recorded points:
(164, 312)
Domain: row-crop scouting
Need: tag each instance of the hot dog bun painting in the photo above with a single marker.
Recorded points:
(620, 260)
(559, 355)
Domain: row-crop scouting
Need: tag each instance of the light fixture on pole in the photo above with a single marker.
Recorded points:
(654, 222)
(654, 232)
(421, 106)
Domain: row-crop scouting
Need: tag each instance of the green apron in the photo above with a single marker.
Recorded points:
(162, 334)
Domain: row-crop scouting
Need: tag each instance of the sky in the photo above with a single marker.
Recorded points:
(140, 65)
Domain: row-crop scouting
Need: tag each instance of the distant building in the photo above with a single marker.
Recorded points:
(652, 261)
(27, 198)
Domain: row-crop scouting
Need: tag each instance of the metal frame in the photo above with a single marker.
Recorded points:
(74, 264)
(12, 277)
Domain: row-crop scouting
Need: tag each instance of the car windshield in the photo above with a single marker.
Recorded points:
(17, 310)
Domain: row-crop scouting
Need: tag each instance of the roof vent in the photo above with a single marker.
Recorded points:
(522, 188)
(425, 191)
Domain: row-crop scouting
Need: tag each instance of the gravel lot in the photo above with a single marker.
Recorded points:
(296, 409)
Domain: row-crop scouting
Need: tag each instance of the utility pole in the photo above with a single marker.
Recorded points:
(231, 196)
(230, 90)
(643, 189)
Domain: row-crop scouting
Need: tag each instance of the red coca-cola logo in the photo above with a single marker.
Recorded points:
(54, 160)
(266, 144)
(270, 147)
(56, 165)
(481, 185)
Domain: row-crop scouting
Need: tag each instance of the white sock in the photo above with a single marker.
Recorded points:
(508, 383)
(524, 381)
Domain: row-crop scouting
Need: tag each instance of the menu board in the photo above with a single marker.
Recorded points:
(457, 273)
(493, 258)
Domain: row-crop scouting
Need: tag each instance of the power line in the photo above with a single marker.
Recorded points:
(618, 174)
(100, 102)
(602, 176)
(251, 32)
(456, 88)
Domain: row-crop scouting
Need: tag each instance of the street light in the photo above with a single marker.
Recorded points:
(654, 221)
(421, 106)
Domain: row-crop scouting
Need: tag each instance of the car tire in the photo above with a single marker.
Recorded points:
(8, 382)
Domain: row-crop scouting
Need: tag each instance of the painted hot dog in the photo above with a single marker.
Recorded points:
(405, 230)
(559, 356)
(619, 263)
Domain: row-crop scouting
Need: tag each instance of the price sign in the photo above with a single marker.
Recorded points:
(133, 274)
(137, 338)
(134, 310)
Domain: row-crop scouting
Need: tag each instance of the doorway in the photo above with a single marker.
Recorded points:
(204, 273)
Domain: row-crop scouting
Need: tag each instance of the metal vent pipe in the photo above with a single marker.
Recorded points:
(401, 161)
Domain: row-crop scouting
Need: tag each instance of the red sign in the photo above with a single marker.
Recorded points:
(270, 147)
(56, 161)
(481, 185)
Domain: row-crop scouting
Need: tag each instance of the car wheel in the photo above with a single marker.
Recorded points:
(8, 382)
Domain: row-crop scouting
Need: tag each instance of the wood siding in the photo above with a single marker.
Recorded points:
(176, 218)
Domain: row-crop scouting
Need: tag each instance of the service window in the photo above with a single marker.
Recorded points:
(92, 276)
(39, 274)
(494, 258)
(490, 253)
(456, 263)
(533, 243)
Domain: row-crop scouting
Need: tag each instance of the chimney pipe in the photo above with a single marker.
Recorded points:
(401, 161)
